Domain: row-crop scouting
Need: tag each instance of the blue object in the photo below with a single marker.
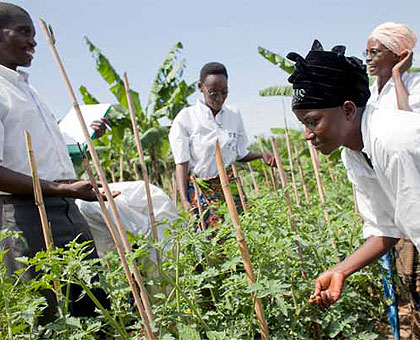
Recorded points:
(389, 294)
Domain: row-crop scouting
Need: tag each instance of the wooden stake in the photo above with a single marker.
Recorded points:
(145, 310)
(241, 193)
(111, 170)
(321, 192)
(121, 168)
(254, 181)
(302, 176)
(267, 182)
(174, 198)
(243, 248)
(51, 41)
(273, 179)
(200, 208)
(356, 208)
(292, 170)
(285, 184)
(39, 201)
(143, 168)
(136, 171)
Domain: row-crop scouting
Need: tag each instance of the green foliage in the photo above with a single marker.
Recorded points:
(277, 60)
(169, 95)
(285, 90)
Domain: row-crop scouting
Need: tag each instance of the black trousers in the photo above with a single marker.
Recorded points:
(21, 214)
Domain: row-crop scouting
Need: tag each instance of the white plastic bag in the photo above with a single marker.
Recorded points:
(132, 207)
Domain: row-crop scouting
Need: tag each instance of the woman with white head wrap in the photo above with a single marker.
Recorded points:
(389, 55)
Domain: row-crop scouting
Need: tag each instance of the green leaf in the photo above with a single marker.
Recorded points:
(187, 332)
(87, 97)
(280, 90)
(277, 60)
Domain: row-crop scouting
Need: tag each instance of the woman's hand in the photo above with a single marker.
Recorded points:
(405, 62)
(328, 287)
(269, 159)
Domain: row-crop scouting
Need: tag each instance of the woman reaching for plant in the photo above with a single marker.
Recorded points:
(193, 137)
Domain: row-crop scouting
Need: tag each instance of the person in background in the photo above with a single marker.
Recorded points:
(389, 56)
(193, 137)
(21, 109)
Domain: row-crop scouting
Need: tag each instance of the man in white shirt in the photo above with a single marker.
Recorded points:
(21, 109)
(381, 155)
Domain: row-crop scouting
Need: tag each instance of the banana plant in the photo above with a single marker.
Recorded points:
(168, 95)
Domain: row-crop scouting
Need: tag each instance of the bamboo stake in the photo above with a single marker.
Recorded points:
(273, 179)
(321, 192)
(136, 171)
(302, 176)
(241, 192)
(144, 312)
(243, 248)
(254, 181)
(284, 183)
(39, 201)
(174, 198)
(111, 170)
(143, 168)
(267, 182)
(200, 208)
(51, 42)
(292, 170)
(356, 208)
(121, 168)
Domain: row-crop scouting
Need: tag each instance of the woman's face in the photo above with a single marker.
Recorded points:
(379, 59)
(215, 91)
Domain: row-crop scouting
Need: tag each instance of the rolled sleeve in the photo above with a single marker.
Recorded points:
(180, 142)
(242, 143)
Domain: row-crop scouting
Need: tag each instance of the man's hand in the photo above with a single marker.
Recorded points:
(405, 62)
(328, 287)
(84, 190)
(269, 159)
(100, 126)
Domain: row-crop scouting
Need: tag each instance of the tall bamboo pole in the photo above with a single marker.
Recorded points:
(143, 168)
(356, 208)
(321, 192)
(111, 171)
(302, 176)
(39, 202)
(136, 171)
(51, 42)
(292, 170)
(200, 208)
(273, 179)
(267, 182)
(241, 192)
(145, 311)
(254, 181)
(174, 198)
(285, 184)
(121, 167)
(243, 248)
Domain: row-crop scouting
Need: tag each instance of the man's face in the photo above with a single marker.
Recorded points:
(215, 91)
(324, 128)
(379, 59)
(17, 42)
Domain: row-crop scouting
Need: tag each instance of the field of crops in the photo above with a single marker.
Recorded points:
(202, 291)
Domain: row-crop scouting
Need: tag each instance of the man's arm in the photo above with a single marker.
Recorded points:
(328, 285)
(268, 158)
(402, 66)
(20, 184)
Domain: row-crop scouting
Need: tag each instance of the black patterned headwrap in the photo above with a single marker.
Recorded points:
(326, 79)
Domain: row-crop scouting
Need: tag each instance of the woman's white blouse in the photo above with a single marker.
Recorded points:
(387, 99)
(194, 133)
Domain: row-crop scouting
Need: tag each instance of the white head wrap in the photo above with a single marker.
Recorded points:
(396, 37)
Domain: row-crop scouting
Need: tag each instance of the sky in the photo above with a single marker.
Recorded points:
(136, 35)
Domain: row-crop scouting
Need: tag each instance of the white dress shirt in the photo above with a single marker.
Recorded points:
(21, 109)
(388, 195)
(387, 99)
(194, 133)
